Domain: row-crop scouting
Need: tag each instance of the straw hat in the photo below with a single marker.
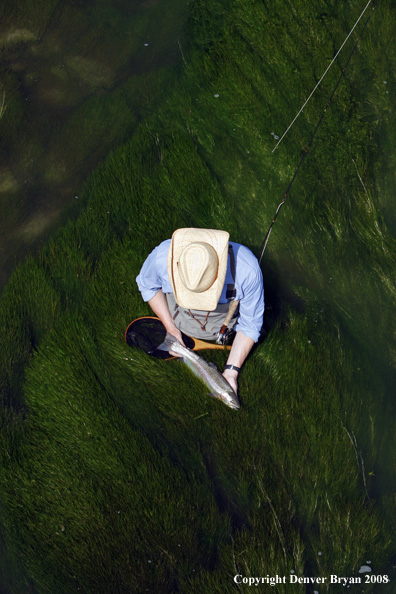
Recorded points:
(197, 265)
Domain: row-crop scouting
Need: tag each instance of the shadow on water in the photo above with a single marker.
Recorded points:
(75, 80)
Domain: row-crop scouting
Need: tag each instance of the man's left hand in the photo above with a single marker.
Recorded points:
(232, 378)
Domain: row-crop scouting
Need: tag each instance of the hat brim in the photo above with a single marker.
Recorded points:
(181, 238)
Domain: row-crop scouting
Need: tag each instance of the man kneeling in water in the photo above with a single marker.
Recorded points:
(190, 282)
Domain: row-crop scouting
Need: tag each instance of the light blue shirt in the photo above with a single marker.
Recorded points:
(248, 284)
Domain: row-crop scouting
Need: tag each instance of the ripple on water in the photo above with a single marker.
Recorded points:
(36, 226)
(8, 183)
(90, 71)
(14, 36)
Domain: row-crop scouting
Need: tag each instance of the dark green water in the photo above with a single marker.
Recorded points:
(75, 80)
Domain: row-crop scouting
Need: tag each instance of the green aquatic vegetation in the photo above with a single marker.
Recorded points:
(296, 480)
(78, 507)
(98, 125)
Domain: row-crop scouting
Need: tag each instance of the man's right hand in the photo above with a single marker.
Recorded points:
(177, 334)
(160, 307)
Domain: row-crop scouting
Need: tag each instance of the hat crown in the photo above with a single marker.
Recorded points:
(198, 266)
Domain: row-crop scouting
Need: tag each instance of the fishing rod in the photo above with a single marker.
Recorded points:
(266, 238)
(323, 75)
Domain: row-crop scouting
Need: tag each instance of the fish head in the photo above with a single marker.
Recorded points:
(230, 399)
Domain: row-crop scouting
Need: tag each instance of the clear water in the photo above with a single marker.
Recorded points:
(70, 93)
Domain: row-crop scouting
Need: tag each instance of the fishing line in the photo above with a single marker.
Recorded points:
(323, 75)
(264, 243)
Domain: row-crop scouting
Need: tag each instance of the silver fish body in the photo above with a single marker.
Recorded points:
(209, 374)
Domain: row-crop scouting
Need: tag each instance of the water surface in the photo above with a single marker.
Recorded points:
(74, 82)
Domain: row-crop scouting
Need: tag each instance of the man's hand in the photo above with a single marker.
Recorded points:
(160, 307)
(232, 378)
(240, 349)
(177, 334)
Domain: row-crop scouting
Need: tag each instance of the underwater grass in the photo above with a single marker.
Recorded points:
(79, 508)
(296, 480)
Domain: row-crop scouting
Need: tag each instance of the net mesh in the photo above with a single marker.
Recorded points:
(148, 333)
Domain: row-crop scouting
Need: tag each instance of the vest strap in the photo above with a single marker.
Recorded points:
(231, 290)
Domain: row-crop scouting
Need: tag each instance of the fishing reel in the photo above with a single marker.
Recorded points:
(223, 335)
(225, 332)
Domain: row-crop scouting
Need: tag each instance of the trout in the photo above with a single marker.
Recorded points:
(208, 373)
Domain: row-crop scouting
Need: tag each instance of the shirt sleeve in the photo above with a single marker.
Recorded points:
(153, 275)
(251, 305)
